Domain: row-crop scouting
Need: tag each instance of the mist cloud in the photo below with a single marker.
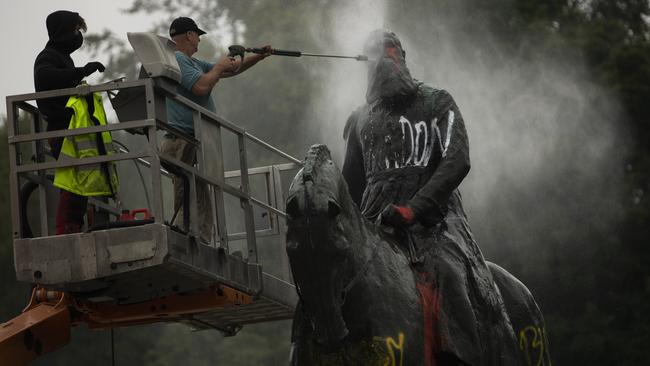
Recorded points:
(544, 140)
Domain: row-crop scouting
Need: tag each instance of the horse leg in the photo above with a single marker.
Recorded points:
(448, 359)
(301, 335)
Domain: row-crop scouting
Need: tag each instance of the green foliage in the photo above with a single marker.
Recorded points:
(14, 295)
(594, 300)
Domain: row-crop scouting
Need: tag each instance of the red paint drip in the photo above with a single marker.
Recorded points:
(392, 53)
(430, 302)
(407, 213)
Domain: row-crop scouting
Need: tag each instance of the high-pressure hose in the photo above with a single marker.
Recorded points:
(23, 199)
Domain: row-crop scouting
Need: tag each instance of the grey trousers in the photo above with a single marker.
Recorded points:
(185, 152)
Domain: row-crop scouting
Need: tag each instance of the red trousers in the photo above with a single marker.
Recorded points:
(72, 207)
(70, 213)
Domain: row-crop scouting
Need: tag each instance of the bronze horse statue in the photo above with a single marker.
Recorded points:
(359, 301)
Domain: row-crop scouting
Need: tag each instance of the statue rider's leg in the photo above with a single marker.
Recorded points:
(469, 323)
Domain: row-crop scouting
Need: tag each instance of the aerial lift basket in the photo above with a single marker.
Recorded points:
(156, 271)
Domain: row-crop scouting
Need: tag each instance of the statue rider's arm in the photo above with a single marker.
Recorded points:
(353, 169)
(430, 203)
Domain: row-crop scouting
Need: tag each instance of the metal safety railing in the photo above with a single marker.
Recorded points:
(28, 161)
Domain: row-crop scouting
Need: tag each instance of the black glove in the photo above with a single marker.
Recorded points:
(397, 216)
(92, 67)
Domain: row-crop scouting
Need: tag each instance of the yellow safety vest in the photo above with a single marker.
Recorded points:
(91, 179)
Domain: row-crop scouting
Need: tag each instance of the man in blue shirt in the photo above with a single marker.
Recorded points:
(197, 80)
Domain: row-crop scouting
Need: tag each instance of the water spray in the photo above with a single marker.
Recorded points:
(237, 50)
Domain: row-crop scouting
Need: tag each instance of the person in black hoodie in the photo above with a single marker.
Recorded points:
(54, 69)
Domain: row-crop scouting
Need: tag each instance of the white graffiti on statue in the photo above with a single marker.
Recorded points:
(450, 124)
(419, 139)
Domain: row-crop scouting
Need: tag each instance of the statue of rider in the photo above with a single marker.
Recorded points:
(406, 153)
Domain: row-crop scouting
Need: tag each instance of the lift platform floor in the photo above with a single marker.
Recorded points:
(142, 263)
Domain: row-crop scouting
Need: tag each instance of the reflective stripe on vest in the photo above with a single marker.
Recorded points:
(89, 179)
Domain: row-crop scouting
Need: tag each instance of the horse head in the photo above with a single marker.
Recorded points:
(324, 230)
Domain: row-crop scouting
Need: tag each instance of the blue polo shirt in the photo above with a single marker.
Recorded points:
(178, 115)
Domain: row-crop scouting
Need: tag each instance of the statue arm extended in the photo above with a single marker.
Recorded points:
(430, 202)
(353, 169)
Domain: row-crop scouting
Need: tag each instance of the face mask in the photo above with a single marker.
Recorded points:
(69, 43)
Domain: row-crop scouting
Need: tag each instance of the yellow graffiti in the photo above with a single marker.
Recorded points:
(536, 346)
(392, 346)
(378, 351)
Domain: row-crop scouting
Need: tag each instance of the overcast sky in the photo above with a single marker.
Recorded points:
(22, 24)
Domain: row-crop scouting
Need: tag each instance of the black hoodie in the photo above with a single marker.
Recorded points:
(54, 68)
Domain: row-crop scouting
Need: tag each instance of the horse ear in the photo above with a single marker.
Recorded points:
(333, 208)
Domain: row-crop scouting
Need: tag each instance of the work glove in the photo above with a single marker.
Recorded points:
(397, 216)
(92, 67)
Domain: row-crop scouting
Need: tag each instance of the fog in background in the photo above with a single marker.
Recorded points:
(546, 155)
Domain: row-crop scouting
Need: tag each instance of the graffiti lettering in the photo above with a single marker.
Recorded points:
(533, 347)
(418, 141)
(405, 122)
(450, 124)
(422, 133)
(384, 351)
(395, 351)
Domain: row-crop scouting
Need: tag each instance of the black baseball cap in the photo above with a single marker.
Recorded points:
(181, 25)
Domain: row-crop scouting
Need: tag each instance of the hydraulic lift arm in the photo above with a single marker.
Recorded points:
(44, 326)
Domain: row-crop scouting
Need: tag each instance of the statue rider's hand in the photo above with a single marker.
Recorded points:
(92, 67)
(398, 216)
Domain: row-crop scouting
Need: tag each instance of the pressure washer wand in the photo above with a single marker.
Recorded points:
(358, 57)
(239, 51)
